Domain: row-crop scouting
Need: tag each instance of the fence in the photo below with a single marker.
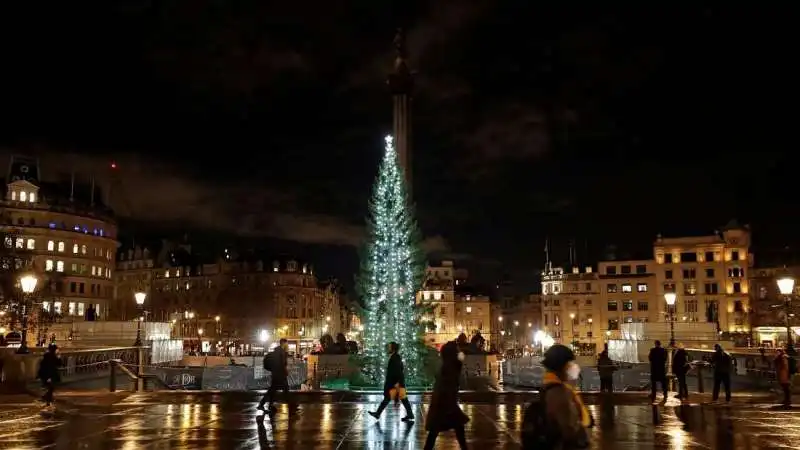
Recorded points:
(222, 378)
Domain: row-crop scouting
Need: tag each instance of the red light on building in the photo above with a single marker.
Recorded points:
(113, 165)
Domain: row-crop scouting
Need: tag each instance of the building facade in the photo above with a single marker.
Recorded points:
(571, 306)
(235, 301)
(69, 242)
(520, 323)
(709, 276)
(453, 311)
(769, 309)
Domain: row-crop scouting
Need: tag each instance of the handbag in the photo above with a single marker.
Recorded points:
(397, 393)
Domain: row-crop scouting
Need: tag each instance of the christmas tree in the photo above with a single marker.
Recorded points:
(392, 267)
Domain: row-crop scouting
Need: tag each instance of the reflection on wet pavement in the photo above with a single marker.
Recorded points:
(231, 422)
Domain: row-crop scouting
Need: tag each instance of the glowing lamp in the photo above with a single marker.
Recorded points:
(670, 298)
(786, 285)
(140, 296)
(28, 283)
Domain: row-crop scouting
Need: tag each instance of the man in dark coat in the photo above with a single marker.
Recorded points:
(658, 370)
(280, 375)
(49, 373)
(722, 363)
(680, 367)
(444, 413)
(394, 378)
(606, 369)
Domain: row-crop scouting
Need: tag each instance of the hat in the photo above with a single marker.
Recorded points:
(557, 357)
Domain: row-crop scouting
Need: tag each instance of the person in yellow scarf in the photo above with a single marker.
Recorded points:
(564, 408)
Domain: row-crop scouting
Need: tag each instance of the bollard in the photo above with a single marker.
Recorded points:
(112, 382)
(700, 379)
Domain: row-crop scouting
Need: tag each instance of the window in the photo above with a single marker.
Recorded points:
(625, 269)
(613, 324)
(61, 246)
(711, 288)
(689, 274)
(611, 288)
(627, 288)
(83, 249)
(709, 256)
(51, 246)
(688, 257)
(735, 255)
(589, 287)
(737, 288)
(20, 243)
(48, 265)
(545, 320)
(641, 269)
(669, 287)
(23, 196)
(689, 288)
(611, 270)
(73, 287)
(668, 258)
(71, 308)
(31, 244)
(60, 266)
(738, 306)
(612, 306)
(736, 272)
(627, 305)
(81, 307)
(668, 274)
(642, 306)
(691, 306)
(74, 267)
(13, 195)
(57, 307)
(709, 273)
(468, 309)
(641, 287)
(75, 249)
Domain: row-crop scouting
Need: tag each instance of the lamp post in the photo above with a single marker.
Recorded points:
(28, 285)
(590, 335)
(139, 297)
(786, 287)
(516, 324)
(218, 330)
(499, 332)
(572, 325)
(670, 298)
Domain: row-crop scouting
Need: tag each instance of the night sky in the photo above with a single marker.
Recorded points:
(602, 125)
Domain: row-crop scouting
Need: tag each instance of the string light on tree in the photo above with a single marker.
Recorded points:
(391, 273)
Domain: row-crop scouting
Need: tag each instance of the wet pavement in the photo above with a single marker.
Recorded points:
(231, 421)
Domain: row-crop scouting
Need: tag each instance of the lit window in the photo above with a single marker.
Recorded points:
(641, 287)
(48, 265)
(71, 309)
(60, 266)
(61, 246)
(57, 307)
(81, 309)
(31, 244)
(20, 243)
(627, 288)
(469, 309)
(23, 196)
(94, 270)
(46, 306)
(75, 249)
(13, 195)
(32, 197)
(51, 246)
(74, 267)
(83, 249)
(166, 274)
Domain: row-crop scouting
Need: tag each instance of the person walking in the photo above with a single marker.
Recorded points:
(395, 379)
(49, 374)
(444, 413)
(276, 362)
(658, 370)
(783, 376)
(722, 363)
(606, 369)
(680, 367)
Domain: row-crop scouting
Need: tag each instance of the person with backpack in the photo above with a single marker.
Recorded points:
(723, 364)
(276, 362)
(559, 419)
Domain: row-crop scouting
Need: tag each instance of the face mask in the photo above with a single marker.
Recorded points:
(461, 356)
(573, 371)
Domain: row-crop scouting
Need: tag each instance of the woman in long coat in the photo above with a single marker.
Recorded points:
(444, 413)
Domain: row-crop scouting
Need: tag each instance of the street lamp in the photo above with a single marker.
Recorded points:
(670, 298)
(217, 328)
(28, 285)
(139, 297)
(572, 325)
(786, 286)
